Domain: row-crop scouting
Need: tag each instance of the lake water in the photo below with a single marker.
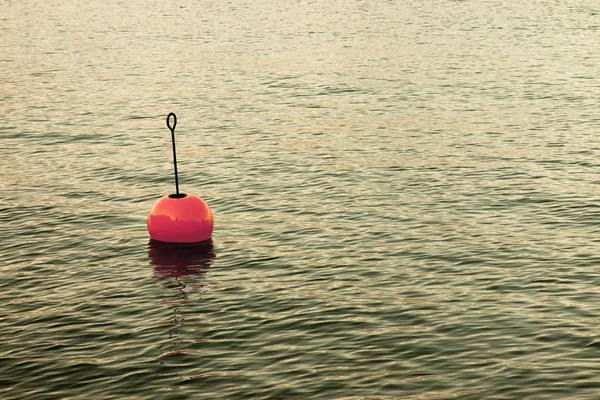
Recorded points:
(406, 198)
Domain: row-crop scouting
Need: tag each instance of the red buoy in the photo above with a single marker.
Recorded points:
(183, 218)
(180, 217)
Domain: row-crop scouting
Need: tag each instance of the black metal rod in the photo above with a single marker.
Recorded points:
(172, 129)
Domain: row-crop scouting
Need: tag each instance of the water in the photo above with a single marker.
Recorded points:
(406, 199)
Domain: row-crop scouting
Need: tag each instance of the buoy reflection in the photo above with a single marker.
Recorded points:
(181, 269)
(174, 260)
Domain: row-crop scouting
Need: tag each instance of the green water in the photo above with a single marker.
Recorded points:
(406, 199)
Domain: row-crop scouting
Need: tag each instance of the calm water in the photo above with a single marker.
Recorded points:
(406, 198)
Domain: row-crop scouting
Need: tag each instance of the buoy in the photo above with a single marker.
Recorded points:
(179, 217)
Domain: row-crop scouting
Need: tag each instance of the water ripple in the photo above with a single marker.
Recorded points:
(405, 199)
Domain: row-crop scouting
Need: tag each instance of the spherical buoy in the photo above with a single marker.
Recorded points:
(180, 217)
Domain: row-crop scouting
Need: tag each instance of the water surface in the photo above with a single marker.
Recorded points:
(405, 198)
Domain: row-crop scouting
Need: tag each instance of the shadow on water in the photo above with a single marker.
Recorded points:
(181, 268)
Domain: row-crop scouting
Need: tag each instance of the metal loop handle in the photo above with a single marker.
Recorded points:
(174, 122)
(172, 129)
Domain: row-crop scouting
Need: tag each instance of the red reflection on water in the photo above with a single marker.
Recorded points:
(172, 260)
